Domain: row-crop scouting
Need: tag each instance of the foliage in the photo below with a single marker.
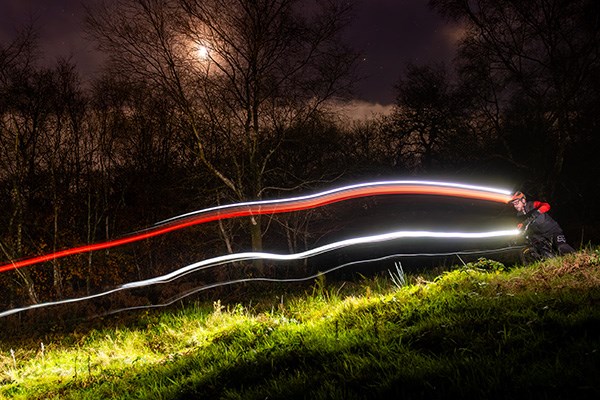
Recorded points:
(486, 265)
(399, 278)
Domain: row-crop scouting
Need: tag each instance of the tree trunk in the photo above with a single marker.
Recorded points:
(256, 236)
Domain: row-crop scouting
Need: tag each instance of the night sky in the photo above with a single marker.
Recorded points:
(389, 33)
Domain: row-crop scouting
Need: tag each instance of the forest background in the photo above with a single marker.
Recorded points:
(216, 102)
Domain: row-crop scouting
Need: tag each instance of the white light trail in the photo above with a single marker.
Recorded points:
(316, 251)
(343, 189)
(230, 258)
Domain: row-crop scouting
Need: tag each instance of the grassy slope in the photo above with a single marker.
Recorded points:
(531, 332)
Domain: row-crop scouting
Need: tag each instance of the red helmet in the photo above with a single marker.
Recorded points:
(517, 196)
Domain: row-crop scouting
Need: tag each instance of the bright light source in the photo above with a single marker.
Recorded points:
(202, 52)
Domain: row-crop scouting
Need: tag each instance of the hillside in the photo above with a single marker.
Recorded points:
(477, 331)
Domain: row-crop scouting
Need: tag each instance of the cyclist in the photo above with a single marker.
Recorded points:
(544, 235)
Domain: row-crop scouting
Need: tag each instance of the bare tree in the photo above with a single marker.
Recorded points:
(547, 52)
(240, 72)
(17, 151)
(42, 111)
(60, 142)
(428, 117)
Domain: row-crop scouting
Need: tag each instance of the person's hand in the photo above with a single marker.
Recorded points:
(532, 216)
(529, 218)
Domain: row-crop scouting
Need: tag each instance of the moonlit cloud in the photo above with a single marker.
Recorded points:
(453, 34)
(360, 110)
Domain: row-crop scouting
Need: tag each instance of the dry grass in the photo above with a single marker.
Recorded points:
(579, 271)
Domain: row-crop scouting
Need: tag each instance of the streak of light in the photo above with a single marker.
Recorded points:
(191, 292)
(230, 258)
(316, 251)
(281, 206)
(374, 189)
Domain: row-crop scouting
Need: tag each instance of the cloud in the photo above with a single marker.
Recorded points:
(453, 34)
(359, 110)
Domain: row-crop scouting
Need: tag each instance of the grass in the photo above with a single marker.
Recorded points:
(476, 331)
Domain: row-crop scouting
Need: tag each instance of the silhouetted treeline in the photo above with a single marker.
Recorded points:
(162, 132)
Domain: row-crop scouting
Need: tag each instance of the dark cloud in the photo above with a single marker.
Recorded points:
(389, 33)
(392, 33)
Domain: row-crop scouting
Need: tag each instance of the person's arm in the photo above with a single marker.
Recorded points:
(539, 207)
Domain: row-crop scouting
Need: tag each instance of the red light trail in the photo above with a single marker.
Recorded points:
(281, 206)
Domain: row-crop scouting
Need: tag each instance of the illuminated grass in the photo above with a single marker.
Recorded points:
(476, 331)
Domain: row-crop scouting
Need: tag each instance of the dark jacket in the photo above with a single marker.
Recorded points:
(538, 222)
